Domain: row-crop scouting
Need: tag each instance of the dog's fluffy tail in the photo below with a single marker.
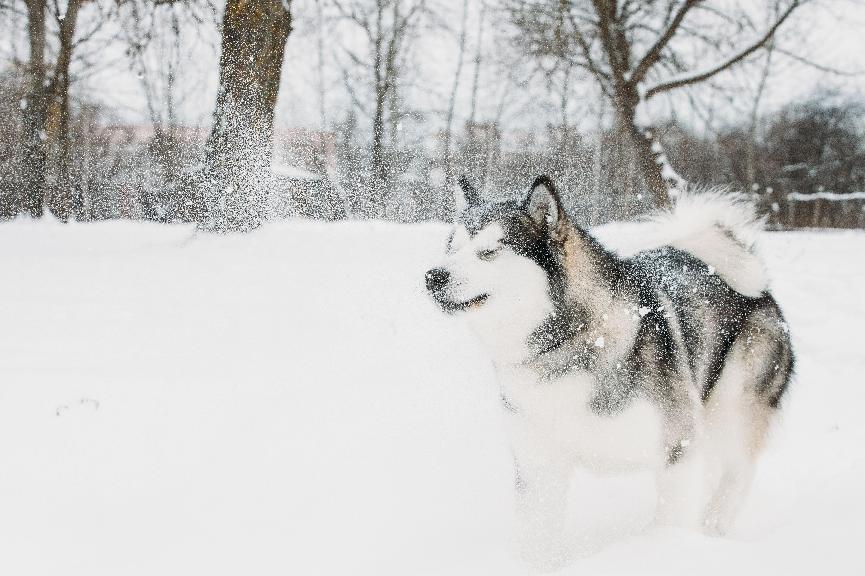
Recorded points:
(721, 229)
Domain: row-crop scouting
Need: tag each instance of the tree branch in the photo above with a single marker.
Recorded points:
(352, 94)
(726, 64)
(605, 22)
(817, 66)
(601, 76)
(362, 21)
(651, 57)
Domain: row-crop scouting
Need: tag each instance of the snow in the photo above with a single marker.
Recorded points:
(674, 180)
(290, 402)
(293, 172)
(831, 196)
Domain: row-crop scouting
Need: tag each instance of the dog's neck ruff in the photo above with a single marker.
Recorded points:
(589, 297)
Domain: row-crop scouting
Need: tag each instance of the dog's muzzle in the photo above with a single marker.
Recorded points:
(437, 281)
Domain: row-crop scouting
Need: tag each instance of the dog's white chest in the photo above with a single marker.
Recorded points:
(556, 414)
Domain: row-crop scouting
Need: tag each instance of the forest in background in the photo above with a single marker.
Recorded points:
(623, 102)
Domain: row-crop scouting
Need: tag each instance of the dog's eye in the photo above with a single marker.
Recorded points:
(489, 254)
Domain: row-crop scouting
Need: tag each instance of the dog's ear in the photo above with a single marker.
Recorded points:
(543, 203)
(465, 195)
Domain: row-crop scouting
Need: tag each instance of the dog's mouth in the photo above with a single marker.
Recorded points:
(451, 306)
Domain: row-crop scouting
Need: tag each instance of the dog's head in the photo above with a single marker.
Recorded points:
(502, 258)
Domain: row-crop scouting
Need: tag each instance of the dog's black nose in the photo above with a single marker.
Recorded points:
(436, 279)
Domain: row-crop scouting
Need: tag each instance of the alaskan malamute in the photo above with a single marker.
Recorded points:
(675, 358)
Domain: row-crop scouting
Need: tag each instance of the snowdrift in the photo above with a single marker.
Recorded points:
(290, 402)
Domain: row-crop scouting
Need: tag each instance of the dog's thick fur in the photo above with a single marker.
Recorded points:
(675, 358)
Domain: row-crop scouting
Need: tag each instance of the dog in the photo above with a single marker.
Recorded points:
(673, 359)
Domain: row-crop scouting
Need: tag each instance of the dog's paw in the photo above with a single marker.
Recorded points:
(715, 525)
(545, 554)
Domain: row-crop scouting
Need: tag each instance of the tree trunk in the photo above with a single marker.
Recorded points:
(379, 169)
(648, 152)
(382, 81)
(597, 166)
(650, 165)
(477, 70)
(57, 116)
(238, 150)
(751, 150)
(33, 194)
(448, 157)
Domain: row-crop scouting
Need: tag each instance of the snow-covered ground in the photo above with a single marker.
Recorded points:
(290, 402)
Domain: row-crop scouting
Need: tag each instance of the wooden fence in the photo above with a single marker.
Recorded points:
(791, 210)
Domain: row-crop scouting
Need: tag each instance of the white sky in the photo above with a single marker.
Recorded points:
(830, 32)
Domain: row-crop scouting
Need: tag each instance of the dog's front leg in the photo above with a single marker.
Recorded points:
(542, 483)
(681, 492)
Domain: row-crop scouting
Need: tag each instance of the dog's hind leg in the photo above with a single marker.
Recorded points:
(735, 433)
(728, 498)
(738, 429)
(740, 411)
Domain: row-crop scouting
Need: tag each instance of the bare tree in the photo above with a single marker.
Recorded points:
(46, 106)
(387, 27)
(754, 116)
(449, 120)
(238, 150)
(157, 37)
(320, 72)
(154, 34)
(35, 108)
(638, 50)
(57, 118)
(478, 61)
